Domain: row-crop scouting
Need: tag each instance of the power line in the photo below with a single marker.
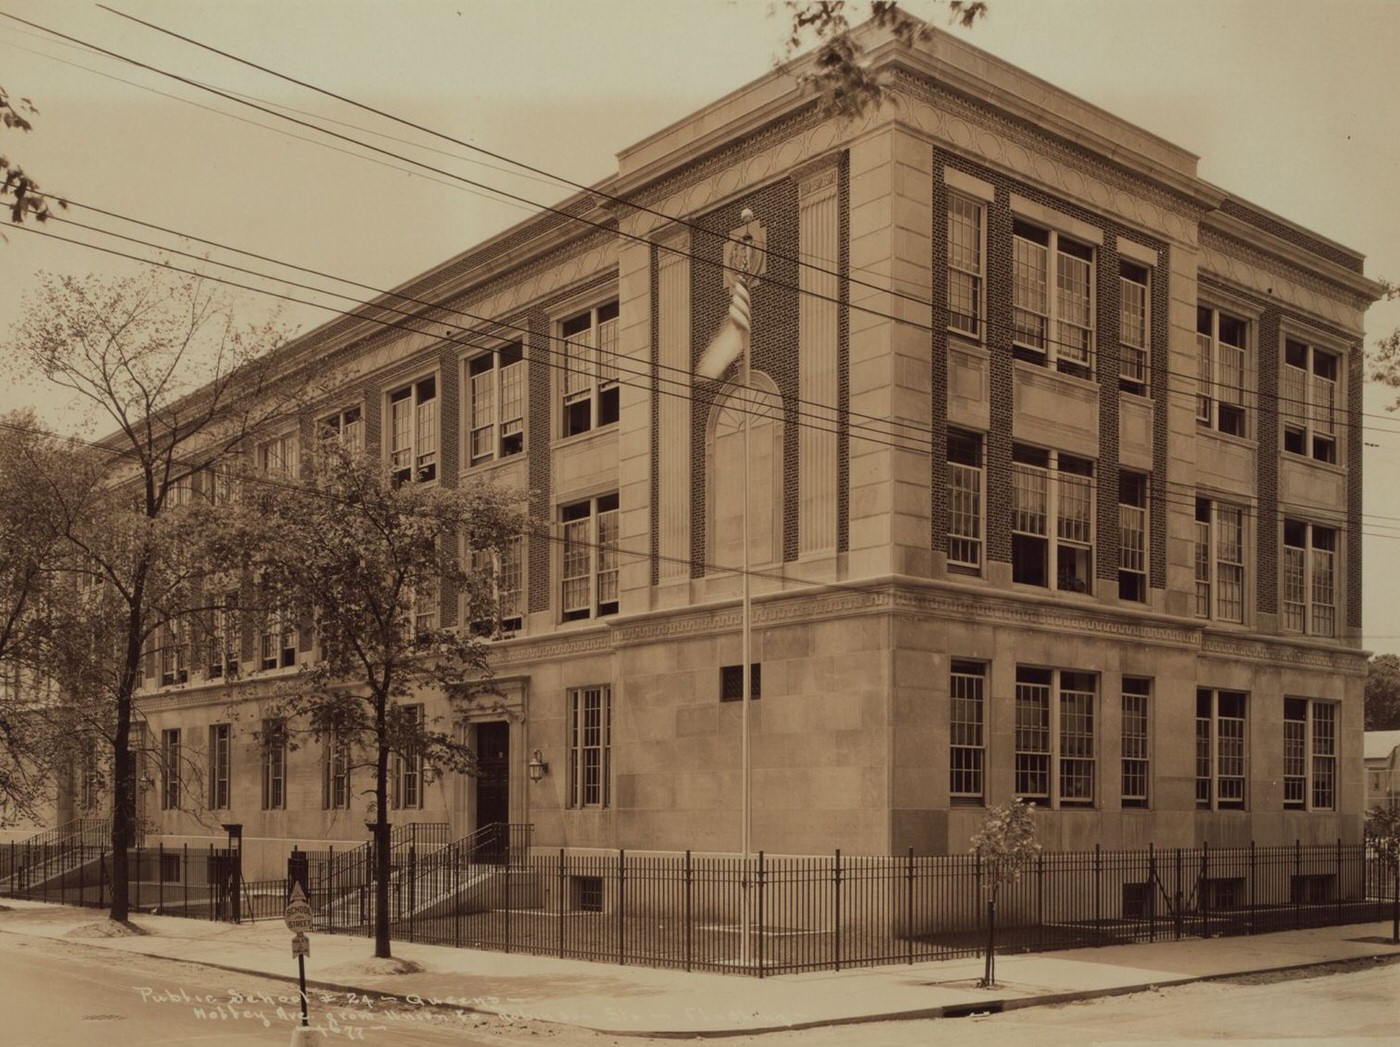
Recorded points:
(572, 216)
(875, 438)
(562, 179)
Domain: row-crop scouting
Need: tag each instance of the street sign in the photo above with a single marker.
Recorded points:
(298, 913)
(301, 945)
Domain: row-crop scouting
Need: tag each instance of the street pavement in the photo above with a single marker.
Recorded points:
(640, 1001)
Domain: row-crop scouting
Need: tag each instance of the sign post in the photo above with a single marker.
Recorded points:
(298, 917)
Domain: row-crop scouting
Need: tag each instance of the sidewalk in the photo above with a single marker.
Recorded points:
(643, 1001)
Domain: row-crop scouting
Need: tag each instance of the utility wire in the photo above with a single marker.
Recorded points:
(558, 211)
(875, 438)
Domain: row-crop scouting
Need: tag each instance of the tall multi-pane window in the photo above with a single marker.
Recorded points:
(1309, 400)
(1220, 749)
(170, 768)
(1219, 561)
(1309, 754)
(335, 774)
(1052, 519)
(345, 427)
(1136, 753)
(174, 653)
(967, 683)
(277, 644)
(219, 762)
(590, 558)
(224, 638)
(280, 456)
(1221, 348)
(502, 610)
(408, 760)
(1134, 346)
(964, 499)
(423, 609)
(413, 431)
(496, 404)
(1309, 578)
(590, 369)
(590, 746)
(1053, 299)
(272, 742)
(1132, 536)
(965, 224)
(1055, 736)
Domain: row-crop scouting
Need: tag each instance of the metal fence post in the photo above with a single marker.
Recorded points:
(689, 876)
(1296, 888)
(621, 906)
(909, 907)
(836, 884)
(457, 896)
(1039, 900)
(1153, 886)
(1098, 894)
(510, 860)
(1253, 886)
(760, 913)
(160, 876)
(1339, 882)
(185, 876)
(1178, 900)
(1203, 889)
(560, 895)
(412, 878)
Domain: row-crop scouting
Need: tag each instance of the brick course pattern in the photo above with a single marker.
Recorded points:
(998, 266)
(773, 344)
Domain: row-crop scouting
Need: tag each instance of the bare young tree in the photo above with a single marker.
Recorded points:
(371, 559)
(180, 384)
(1004, 846)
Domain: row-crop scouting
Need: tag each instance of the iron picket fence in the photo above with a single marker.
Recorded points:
(769, 915)
(786, 914)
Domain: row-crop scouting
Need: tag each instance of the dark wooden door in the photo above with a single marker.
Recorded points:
(492, 787)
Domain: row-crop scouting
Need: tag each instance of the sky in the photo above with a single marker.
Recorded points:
(1290, 104)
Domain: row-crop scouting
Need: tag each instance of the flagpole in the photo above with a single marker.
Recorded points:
(746, 795)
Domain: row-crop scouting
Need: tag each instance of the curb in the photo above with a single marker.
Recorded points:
(992, 1005)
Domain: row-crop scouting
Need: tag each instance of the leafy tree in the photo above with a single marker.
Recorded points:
(163, 362)
(26, 197)
(841, 80)
(372, 559)
(35, 513)
(1004, 846)
(1383, 839)
(1383, 693)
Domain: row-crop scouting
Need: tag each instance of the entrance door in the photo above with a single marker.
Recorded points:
(492, 789)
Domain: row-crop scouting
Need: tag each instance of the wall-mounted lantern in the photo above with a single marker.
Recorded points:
(537, 766)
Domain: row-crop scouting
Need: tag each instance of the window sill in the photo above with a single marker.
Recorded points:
(581, 438)
(1304, 459)
(1243, 441)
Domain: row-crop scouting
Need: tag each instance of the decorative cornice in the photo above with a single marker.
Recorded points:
(1247, 649)
(817, 175)
(1246, 263)
(520, 651)
(983, 133)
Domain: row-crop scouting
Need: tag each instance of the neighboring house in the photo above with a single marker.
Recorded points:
(1055, 492)
(1382, 769)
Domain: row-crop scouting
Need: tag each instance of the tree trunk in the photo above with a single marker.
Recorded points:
(381, 833)
(123, 811)
(989, 973)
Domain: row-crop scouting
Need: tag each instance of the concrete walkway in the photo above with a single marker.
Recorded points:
(455, 984)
